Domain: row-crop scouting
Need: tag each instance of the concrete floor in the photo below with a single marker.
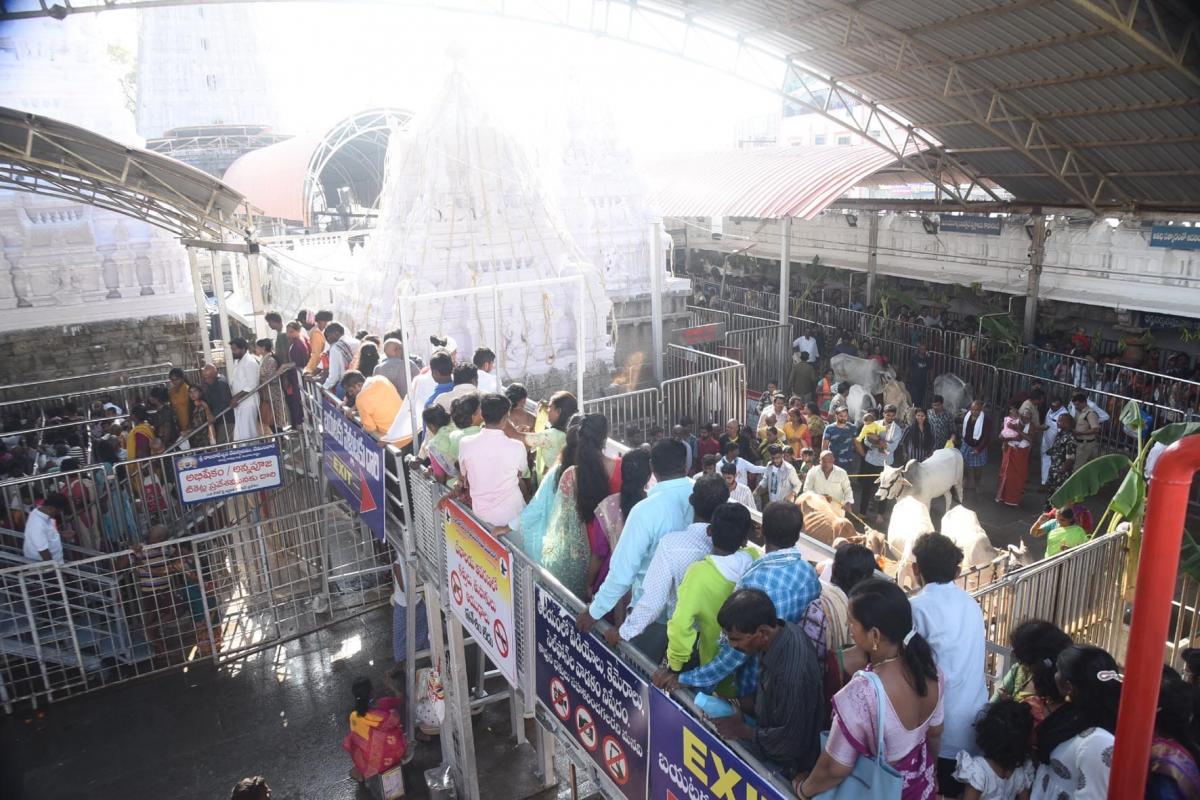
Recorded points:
(281, 713)
(192, 735)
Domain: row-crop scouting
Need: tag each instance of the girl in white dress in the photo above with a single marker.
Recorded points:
(1004, 771)
(1075, 743)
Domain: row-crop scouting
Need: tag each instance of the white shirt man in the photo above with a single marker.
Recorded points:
(783, 482)
(806, 343)
(950, 620)
(743, 466)
(41, 537)
(243, 379)
(341, 353)
(488, 383)
(738, 491)
(830, 480)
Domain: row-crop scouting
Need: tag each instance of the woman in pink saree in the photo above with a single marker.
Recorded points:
(882, 630)
(376, 740)
(604, 531)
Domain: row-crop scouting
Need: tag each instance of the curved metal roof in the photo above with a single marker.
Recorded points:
(46, 156)
(286, 178)
(1073, 102)
(1092, 103)
(762, 183)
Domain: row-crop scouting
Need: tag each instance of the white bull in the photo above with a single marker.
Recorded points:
(909, 522)
(956, 393)
(924, 480)
(859, 400)
(861, 371)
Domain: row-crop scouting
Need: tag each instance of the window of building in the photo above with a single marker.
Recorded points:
(819, 138)
(876, 133)
(211, 80)
(842, 140)
(203, 43)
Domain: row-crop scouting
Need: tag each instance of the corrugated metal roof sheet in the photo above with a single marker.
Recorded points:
(979, 74)
(767, 184)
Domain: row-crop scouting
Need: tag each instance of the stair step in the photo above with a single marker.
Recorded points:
(51, 654)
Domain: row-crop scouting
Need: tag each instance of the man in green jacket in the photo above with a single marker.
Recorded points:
(802, 382)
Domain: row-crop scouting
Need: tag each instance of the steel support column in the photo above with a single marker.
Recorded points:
(201, 306)
(1037, 254)
(872, 255)
(785, 269)
(218, 282)
(257, 310)
(656, 310)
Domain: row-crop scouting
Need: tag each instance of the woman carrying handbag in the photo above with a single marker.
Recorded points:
(892, 709)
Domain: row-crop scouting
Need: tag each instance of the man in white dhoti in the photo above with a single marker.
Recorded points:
(243, 380)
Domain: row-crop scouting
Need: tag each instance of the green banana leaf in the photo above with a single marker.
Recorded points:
(1131, 415)
(1090, 479)
(1170, 434)
(1130, 495)
(1189, 557)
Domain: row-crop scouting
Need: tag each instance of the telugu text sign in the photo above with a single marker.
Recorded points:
(479, 573)
(354, 465)
(213, 475)
(1176, 237)
(687, 760)
(601, 703)
(987, 226)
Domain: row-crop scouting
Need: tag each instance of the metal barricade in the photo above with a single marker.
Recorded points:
(768, 350)
(74, 384)
(699, 315)
(631, 415)
(66, 629)
(706, 387)
(1080, 591)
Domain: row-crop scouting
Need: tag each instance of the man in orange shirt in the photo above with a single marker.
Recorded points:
(375, 399)
(316, 341)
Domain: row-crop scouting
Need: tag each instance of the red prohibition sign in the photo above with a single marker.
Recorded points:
(456, 587)
(501, 638)
(586, 727)
(558, 699)
(614, 761)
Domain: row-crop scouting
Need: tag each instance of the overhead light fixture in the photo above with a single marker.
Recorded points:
(852, 220)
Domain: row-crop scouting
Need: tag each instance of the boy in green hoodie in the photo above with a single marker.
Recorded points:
(705, 587)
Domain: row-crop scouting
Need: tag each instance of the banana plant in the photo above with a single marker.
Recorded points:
(1128, 503)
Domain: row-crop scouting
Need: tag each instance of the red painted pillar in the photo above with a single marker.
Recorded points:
(1162, 537)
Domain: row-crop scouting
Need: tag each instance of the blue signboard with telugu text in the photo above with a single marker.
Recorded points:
(988, 226)
(210, 475)
(689, 762)
(353, 463)
(1177, 237)
(601, 703)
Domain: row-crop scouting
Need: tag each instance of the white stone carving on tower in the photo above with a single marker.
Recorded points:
(461, 207)
(84, 262)
(603, 197)
(201, 65)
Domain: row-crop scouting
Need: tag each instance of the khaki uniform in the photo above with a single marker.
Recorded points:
(1087, 432)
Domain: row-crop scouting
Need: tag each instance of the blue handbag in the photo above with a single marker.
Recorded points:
(871, 778)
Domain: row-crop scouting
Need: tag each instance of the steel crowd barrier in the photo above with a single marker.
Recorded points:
(706, 387)
(33, 389)
(769, 353)
(67, 629)
(631, 415)
(1080, 591)
(33, 413)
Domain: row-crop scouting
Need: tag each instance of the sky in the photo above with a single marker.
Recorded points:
(330, 59)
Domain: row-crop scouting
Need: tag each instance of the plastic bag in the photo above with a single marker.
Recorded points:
(431, 700)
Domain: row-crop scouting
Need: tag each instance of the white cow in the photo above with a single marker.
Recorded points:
(862, 371)
(858, 400)
(909, 522)
(924, 480)
(956, 393)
